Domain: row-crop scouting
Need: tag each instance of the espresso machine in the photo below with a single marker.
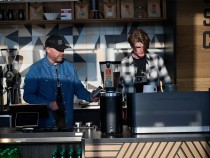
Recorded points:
(110, 99)
(12, 77)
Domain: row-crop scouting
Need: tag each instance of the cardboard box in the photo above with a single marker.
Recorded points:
(154, 8)
(81, 10)
(36, 11)
(66, 14)
(127, 9)
(141, 8)
(110, 10)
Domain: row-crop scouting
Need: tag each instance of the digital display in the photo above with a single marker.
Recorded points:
(27, 119)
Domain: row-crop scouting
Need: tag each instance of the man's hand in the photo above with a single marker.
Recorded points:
(53, 106)
(95, 99)
(95, 95)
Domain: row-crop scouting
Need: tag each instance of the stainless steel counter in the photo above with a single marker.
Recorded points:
(78, 106)
(28, 135)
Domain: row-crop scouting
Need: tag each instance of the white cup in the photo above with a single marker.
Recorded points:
(149, 89)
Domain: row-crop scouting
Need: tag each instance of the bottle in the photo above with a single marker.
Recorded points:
(4, 153)
(71, 153)
(62, 153)
(10, 154)
(55, 154)
(16, 153)
(79, 153)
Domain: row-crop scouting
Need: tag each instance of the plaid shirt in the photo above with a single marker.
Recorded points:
(155, 72)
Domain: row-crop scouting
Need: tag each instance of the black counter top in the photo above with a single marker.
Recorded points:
(95, 136)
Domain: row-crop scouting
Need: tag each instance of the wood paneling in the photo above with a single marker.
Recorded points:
(185, 149)
(193, 61)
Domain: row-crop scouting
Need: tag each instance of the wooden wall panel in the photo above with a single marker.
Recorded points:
(193, 61)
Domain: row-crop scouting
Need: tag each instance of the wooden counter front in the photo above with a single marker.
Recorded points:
(96, 144)
(126, 145)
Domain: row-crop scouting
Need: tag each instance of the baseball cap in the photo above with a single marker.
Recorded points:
(56, 42)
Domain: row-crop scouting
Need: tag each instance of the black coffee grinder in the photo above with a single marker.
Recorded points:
(110, 100)
(1, 89)
(12, 77)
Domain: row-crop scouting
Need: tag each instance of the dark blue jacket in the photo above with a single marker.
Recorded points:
(40, 87)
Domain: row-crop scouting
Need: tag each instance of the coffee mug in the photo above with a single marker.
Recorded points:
(149, 89)
(170, 88)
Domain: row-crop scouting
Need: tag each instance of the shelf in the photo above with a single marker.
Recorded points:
(56, 6)
(88, 21)
(119, 20)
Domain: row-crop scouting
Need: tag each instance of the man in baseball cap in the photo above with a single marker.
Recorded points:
(53, 81)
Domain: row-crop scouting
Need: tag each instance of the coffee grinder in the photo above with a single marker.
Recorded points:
(1, 89)
(12, 77)
(110, 100)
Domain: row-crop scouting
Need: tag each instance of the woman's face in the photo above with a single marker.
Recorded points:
(139, 50)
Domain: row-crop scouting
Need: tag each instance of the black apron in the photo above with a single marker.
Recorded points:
(59, 114)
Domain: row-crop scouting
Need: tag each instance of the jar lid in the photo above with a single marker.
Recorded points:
(110, 94)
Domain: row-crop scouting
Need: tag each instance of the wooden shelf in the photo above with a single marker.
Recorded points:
(89, 21)
(56, 6)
